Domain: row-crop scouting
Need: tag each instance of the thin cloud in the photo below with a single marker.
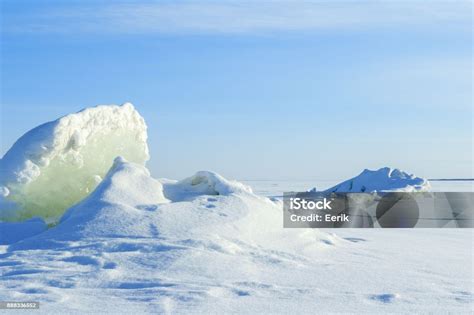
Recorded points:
(234, 17)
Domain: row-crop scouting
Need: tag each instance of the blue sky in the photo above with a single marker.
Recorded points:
(253, 90)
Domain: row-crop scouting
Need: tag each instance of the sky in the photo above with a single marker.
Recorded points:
(288, 90)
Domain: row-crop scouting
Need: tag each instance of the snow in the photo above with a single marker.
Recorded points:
(12, 232)
(203, 182)
(383, 179)
(57, 164)
(129, 203)
(207, 244)
(127, 238)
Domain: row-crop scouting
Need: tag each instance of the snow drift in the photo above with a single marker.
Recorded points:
(129, 203)
(57, 164)
(112, 208)
(203, 183)
(383, 179)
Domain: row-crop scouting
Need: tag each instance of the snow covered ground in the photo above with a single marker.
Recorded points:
(206, 244)
(227, 253)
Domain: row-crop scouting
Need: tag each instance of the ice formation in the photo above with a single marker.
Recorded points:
(383, 179)
(56, 164)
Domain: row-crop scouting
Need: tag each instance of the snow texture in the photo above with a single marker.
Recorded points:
(12, 232)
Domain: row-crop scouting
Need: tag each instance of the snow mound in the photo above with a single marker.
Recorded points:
(384, 179)
(56, 164)
(114, 208)
(130, 204)
(203, 183)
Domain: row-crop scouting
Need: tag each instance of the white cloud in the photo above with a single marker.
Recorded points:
(234, 17)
